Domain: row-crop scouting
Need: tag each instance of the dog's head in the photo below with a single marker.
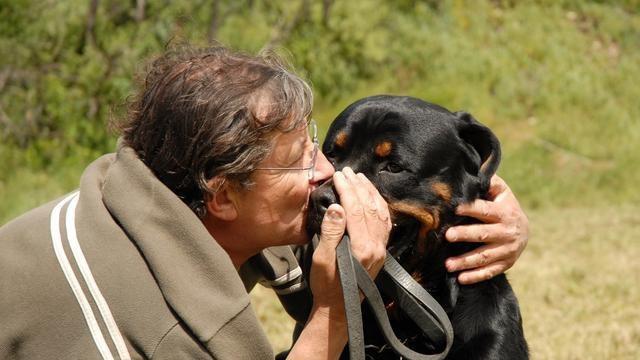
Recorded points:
(423, 159)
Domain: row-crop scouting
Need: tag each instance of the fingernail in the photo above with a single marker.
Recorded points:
(451, 235)
(450, 264)
(467, 279)
(334, 215)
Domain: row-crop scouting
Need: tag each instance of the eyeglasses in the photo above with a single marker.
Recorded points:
(313, 133)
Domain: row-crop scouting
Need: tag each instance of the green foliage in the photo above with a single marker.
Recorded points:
(556, 80)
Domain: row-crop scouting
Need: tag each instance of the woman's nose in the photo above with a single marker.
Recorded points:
(324, 170)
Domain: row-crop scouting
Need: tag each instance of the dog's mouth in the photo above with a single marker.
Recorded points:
(412, 223)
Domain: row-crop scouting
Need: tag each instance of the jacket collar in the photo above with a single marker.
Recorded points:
(195, 275)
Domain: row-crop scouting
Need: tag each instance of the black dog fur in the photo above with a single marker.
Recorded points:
(425, 161)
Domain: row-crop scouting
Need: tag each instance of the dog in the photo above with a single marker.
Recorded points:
(425, 161)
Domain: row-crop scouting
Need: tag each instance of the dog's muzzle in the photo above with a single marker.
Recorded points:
(321, 198)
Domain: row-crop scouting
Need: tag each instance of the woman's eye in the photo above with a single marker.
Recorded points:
(392, 168)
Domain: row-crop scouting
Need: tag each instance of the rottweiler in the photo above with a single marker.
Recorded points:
(425, 161)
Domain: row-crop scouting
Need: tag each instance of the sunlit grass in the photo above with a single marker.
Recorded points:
(578, 283)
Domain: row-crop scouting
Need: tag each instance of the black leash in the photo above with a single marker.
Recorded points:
(410, 296)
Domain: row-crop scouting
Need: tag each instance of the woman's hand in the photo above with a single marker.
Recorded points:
(368, 219)
(504, 232)
(365, 215)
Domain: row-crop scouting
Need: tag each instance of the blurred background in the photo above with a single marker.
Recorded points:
(556, 80)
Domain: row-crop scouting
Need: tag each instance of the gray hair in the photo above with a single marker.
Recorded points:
(196, 117)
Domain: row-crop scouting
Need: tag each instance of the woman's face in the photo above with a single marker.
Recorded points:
(274, 210)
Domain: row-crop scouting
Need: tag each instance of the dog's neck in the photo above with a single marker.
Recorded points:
(426, 263)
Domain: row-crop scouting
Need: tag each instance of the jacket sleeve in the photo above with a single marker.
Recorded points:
(277, 268)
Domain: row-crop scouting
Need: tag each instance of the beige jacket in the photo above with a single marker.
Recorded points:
(122, 269)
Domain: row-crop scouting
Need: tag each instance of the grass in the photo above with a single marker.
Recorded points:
(577, 283)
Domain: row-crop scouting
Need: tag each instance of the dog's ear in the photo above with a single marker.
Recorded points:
(481, 147)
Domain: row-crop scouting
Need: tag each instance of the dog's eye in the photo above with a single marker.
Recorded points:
(331, 160)
(392, 168)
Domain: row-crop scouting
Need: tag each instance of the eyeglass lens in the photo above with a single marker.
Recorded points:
(313, 133)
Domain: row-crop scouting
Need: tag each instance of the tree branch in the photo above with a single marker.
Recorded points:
(215, 22)
(140, 6)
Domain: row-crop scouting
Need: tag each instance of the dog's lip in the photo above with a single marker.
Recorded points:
(312, 188)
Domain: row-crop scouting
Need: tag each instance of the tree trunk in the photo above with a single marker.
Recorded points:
(140, 5)
(90, 31)
(326, 9)
(215, 20)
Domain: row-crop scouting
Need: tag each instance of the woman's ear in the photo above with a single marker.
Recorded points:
(221, 203)
(482, 146)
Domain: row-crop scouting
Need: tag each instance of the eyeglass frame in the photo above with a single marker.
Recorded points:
(311, 172)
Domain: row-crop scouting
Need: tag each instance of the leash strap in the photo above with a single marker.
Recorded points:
(410, 296)
(351, 298)
(417, 302)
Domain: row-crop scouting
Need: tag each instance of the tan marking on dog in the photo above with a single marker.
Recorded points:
(384, 148)
(442, 190)
(341, 139)
(429, 219)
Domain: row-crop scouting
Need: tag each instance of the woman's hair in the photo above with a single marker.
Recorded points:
(211, 112)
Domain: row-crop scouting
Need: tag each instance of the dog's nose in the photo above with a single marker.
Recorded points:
(323, 197)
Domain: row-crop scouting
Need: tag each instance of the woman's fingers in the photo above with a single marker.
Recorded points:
(483, 273)
(368, 220)
(325, 281)
(333, 226)
(479, 233)
(349, 198)
(379, 202)
(485, 211)
(480, 257)
(498, 187)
